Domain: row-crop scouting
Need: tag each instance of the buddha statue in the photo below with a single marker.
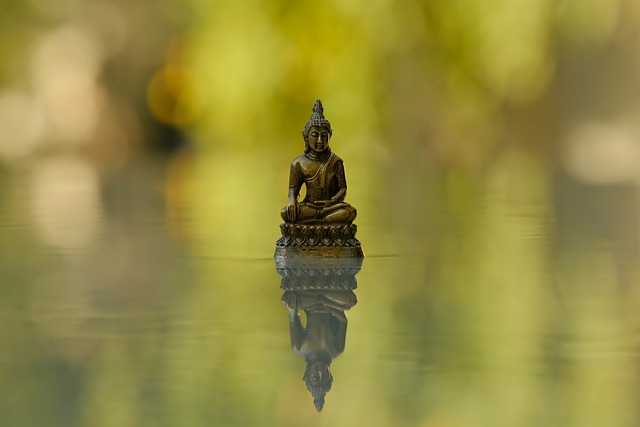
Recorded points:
(322, 218)
(322, 173)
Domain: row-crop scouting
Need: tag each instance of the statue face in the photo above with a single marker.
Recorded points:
(319, 373)
(318, 138)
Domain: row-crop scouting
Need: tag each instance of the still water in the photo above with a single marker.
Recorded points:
(150, 298)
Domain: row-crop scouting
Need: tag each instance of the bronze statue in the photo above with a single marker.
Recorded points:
(320, 224)
(324, 291)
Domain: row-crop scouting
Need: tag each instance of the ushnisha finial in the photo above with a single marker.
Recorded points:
(317, 119)
(318, 108)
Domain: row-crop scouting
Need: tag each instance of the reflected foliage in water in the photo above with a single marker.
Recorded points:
(502, 302)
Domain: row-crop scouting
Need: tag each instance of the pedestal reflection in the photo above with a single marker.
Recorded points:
(320, 290)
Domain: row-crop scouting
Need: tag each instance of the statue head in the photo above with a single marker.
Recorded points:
(317, 131)
(317, 119)
(318, 378)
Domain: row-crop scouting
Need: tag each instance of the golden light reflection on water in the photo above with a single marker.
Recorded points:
(603, 153)
(22, 123)
(66, 203)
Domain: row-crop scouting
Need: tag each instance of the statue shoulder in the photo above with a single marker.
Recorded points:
(337, 160)
(299, 161)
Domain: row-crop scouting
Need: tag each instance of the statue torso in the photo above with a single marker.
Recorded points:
(318, 176)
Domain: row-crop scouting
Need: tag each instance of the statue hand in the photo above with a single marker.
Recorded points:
(321, 203)
(293, 209)
(339, 197)
(290, 299)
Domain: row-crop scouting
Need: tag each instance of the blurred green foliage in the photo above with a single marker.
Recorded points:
(500, 287)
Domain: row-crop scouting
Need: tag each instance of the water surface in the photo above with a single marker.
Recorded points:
(152, 298)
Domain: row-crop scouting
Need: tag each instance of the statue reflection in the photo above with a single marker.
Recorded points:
(323, 290)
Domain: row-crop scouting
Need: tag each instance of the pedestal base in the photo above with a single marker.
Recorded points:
(318, 241)
(283, 252)
(318, 274)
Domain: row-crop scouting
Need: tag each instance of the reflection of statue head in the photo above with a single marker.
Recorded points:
(318, 378)
(317, 119)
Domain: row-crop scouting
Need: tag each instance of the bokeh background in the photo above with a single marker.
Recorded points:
(492, 149)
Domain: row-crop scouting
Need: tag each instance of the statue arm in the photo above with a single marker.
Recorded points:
(338, 337)
(342, 183)
(295, 183)
(296, 330)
